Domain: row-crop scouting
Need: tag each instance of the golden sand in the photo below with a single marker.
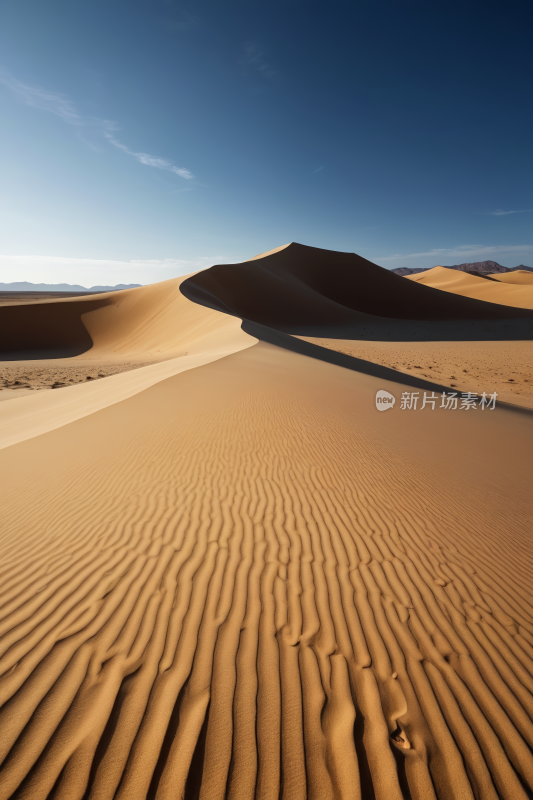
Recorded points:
(508, 291)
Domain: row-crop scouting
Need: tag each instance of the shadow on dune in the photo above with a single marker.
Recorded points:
(339, 359)
(311, 292)
(48, 330)
(351, 362)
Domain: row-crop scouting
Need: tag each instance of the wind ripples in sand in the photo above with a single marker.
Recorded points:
(263, 614)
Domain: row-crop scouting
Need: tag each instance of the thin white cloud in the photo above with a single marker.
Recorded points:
(254, 58)
(314, 172)
(59, 105)
(99, 272)
(465, 251)
(52, 102)
(150, 161)
(500, 213)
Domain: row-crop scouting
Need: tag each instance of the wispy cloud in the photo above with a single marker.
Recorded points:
(500, 213)
(314, 172)
(60, 105)
(465, 251)
(150, 161)
(254, 58)
(44, 100)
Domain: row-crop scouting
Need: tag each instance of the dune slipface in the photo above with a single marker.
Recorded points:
(243, 581)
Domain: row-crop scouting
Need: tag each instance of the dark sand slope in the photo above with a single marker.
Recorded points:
(244, 582)
(310, 292)
(46, 329)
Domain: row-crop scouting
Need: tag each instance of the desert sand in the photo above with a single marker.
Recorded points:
(521, 277)
(225, 574)
(478, 366)
(516, 290)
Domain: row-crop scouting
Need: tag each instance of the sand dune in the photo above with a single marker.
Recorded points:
(150, 322)
(242, 581)
(299, 285)
(521, 277)
(122, 331)
(517, 292)
(145, 323)
(267, 253)
(310, 292)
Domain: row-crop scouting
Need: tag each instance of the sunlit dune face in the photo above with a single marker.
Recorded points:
(503, 289)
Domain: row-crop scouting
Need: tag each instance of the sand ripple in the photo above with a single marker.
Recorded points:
(240, 584)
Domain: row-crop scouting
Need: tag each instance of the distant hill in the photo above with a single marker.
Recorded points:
(478, 267)
(403, 271)
(24, 286)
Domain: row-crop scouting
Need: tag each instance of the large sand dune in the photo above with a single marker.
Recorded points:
(516, 291)
(300, 286)
(242, 581)
(311, 292)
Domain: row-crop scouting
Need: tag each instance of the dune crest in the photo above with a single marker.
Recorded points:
(269, 252)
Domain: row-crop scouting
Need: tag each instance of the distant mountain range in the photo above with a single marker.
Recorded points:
(24, 286)
(478, 267)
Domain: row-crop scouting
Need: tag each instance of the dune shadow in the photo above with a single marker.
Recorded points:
(38, 331)
(305, 291)
(353, 363)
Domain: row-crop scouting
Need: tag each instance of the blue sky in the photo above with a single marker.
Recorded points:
(144, 139)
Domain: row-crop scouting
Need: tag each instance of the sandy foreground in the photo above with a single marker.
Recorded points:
(225, 574)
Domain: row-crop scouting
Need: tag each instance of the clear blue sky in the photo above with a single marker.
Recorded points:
(141, 139)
